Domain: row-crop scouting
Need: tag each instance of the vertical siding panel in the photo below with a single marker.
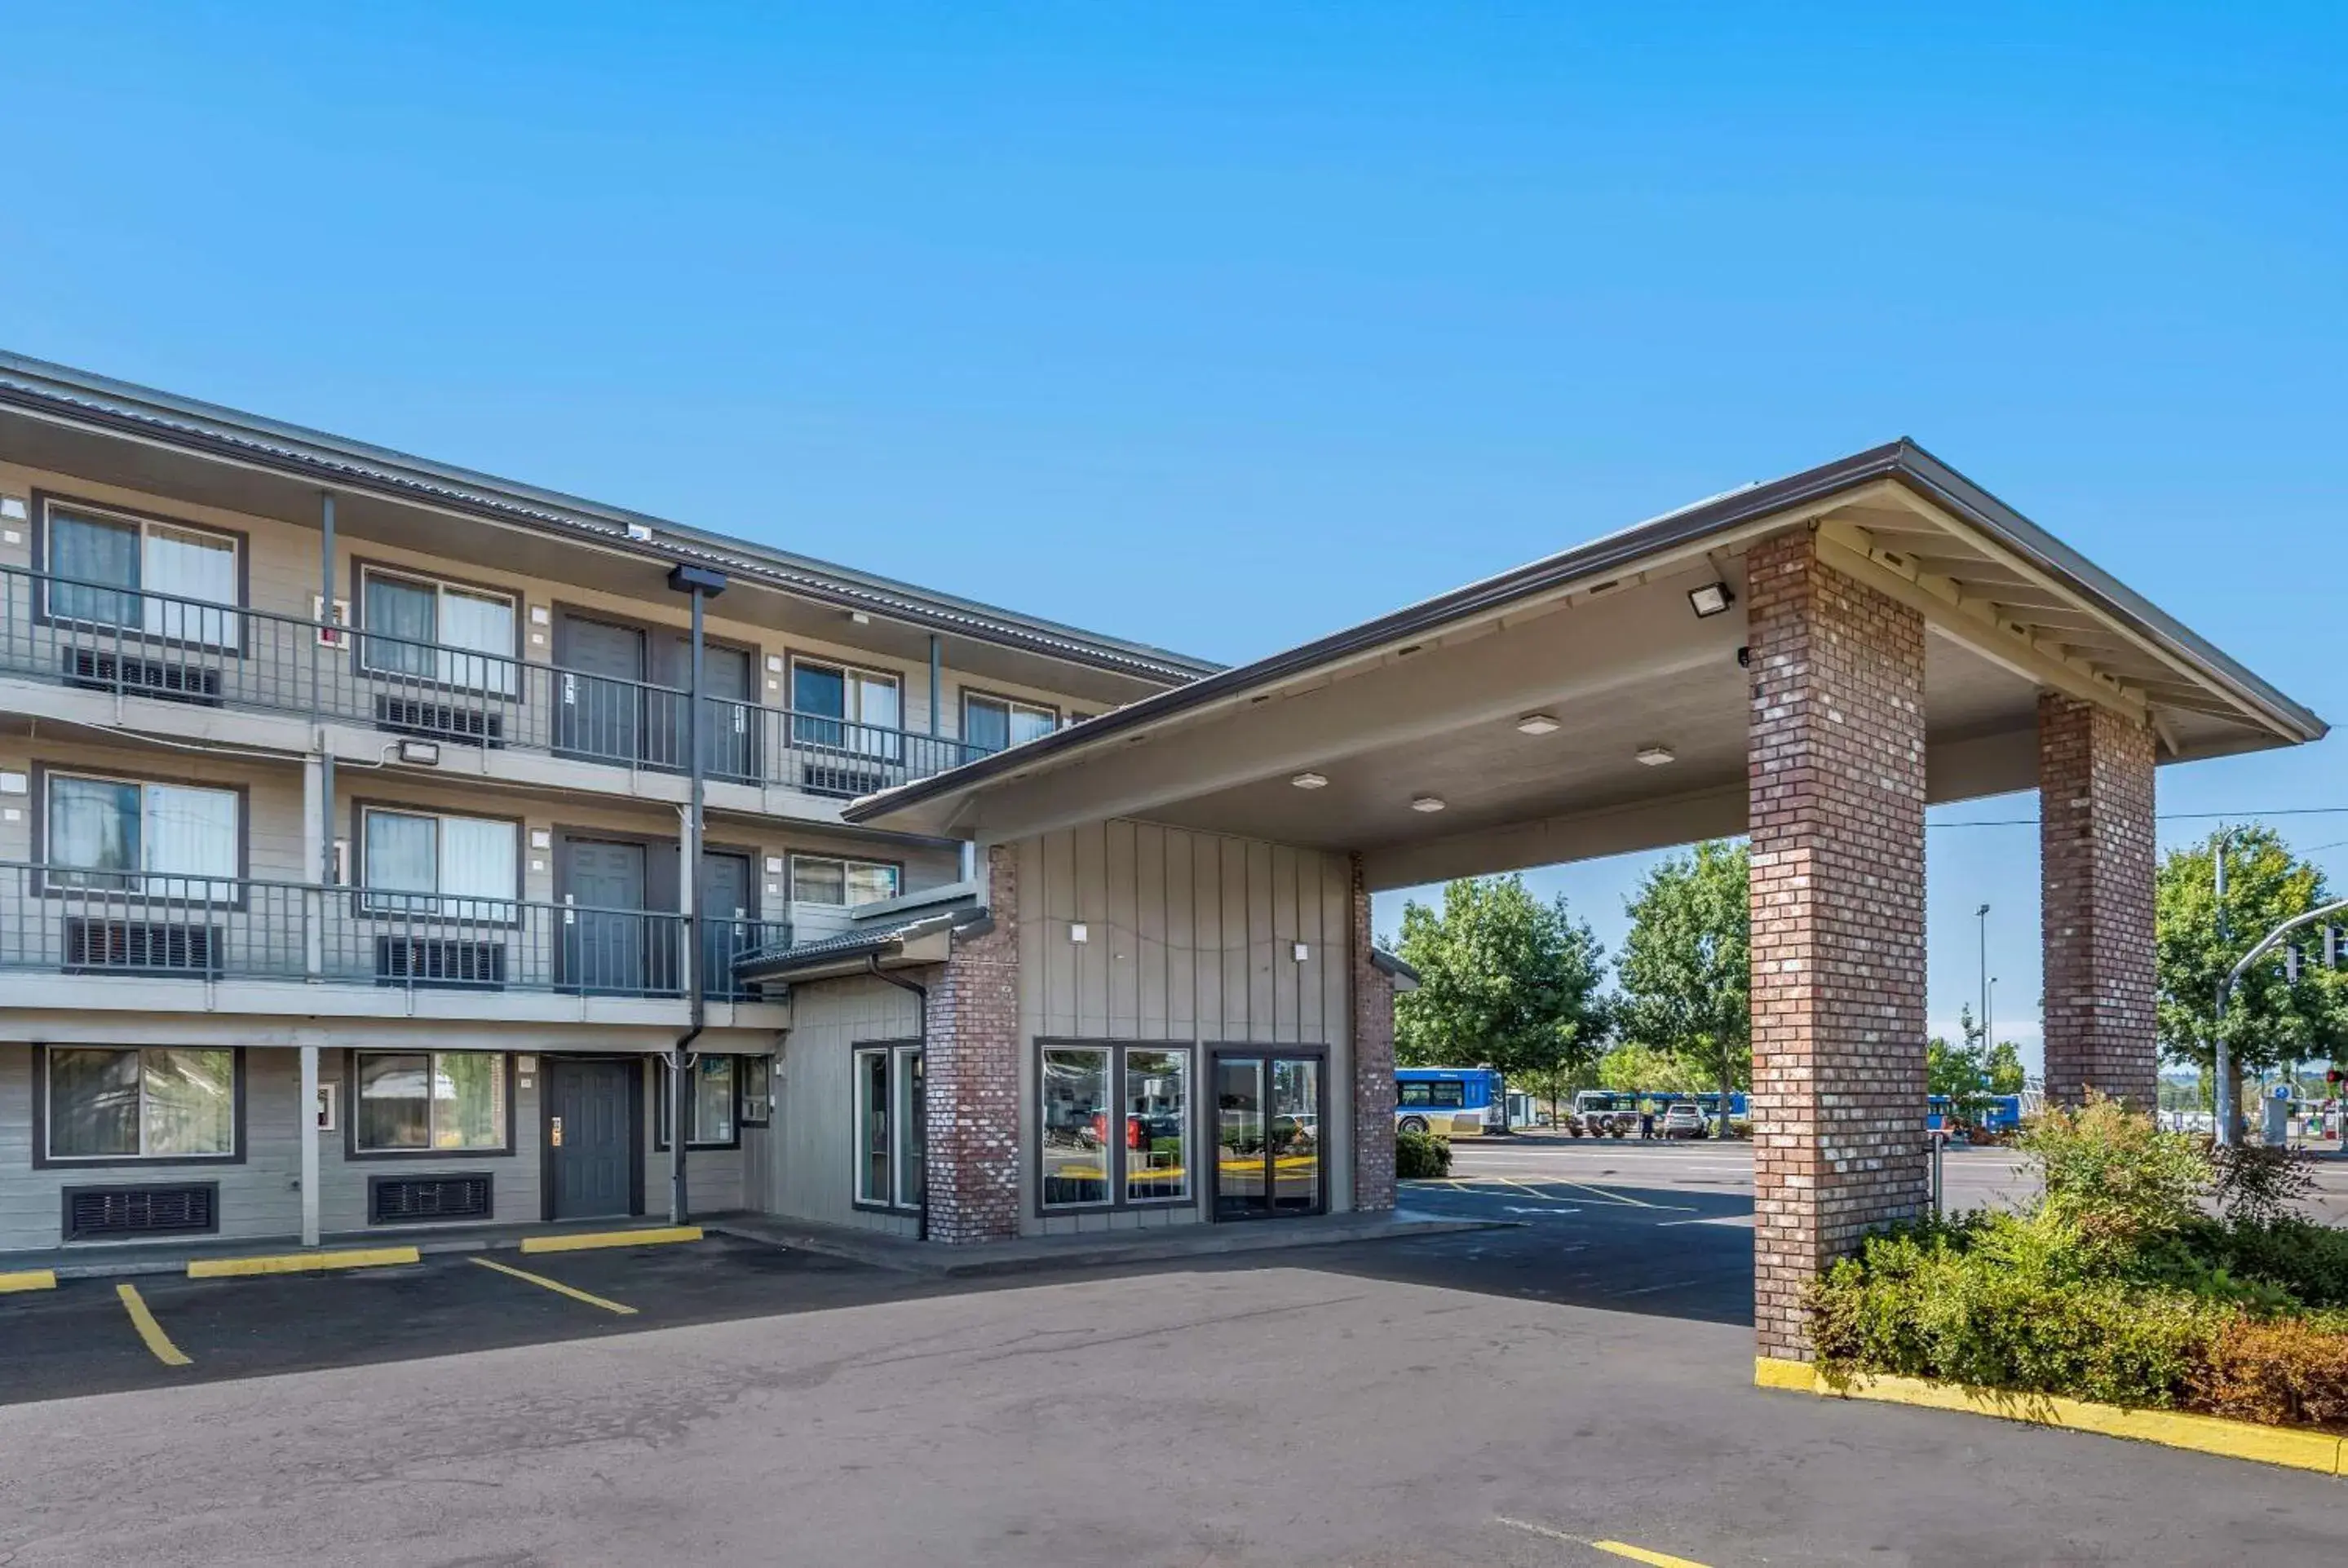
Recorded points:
(1233, 1023)
(1181, 936)
(1092, 908)
(1059, 957)
(1207, 862)
(1034, 1003)
(1337, 928)
(1150, 941)
(1309, 931)
(1121, 907)
(1285, 969)
(1261, 1024)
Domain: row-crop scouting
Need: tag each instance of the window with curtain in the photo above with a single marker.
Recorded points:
(415, 1101)
(852, 710)
(457, 868)
(150, 1104)
(173, 841)
(454, 635)
(159, 578)
(995, 724)
(710, 1091)
(821, 879)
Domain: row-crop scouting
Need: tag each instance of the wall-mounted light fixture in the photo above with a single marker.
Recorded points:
(1303, 952)
(423, 754)
(1710, 599)
(1079, 932)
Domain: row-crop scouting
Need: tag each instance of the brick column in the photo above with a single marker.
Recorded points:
(1374, 1063)
(2095, 853)
(969, 1074)
(1836, 769)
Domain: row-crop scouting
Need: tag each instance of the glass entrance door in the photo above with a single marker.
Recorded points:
(1269, 1128)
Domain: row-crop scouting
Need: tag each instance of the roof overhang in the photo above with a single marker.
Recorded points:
(1602, 639)
(908, 944)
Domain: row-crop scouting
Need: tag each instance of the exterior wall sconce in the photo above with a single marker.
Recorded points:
(1710, 599)
(1078, 932)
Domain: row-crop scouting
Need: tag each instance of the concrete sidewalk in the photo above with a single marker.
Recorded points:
(1030, 1253)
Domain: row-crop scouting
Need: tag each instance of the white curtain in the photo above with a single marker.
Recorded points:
(876, 704)
(480, 864)
(190, 566)
(1027, 723)
(483, 625)
(190, 834)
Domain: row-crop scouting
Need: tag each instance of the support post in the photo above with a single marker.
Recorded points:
(308, 1111)
(318, 649)
(1836, 771)
(1374, 1060)
(2096, 869)
(936, 680)
(317, 861)
(701, 584)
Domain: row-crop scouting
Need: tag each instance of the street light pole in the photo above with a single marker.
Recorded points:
(2222, 1058)
(2242, 966)
(1982, 913)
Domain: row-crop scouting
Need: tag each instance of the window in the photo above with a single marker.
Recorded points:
(891, 1126)
(1141, 1154)
(710, 1102)
(757, 1091)
(453, 867)
(105, 832)
(427, 1101)
(995, 724)
(150, 1104)
(155, 577)
(819, 879)
(1432, 1092)
(451, 636)
(846, 709)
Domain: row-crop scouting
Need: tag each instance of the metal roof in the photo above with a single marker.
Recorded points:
(80, 397)
(781, 963)
(2128, 640)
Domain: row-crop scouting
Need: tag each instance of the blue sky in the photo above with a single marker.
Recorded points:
(1221, 326)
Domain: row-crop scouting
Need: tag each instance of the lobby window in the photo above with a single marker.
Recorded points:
(153, 1103)
(1115, 1125)
(166, 841)
(164, 579)
(890, 1126)
(452, 868)
(449, 635)
(820, 879)
(997, 723)
(710, 1102)
(424, 1101)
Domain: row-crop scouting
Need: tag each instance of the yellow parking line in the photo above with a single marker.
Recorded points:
(560, 1289)
(150, 1331)
(592, 1239)
(28, 1280)
(1641, 1554)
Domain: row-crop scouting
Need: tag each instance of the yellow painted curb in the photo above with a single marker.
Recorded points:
(588, 1241)
(28, 1280)
(2295, 1449)
(301, 1262)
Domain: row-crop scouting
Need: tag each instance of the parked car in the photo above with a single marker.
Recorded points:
(1684, 1118)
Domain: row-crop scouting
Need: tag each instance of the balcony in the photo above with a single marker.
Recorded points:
(156, 926)
(100, 638)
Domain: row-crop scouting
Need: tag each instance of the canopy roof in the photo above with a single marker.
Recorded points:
(1426, 702)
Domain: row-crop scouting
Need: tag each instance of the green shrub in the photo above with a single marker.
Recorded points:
(2113, 1177)
(2258, 1185)
(2285, 1372)
(1421, 1157)
(2308, 1260)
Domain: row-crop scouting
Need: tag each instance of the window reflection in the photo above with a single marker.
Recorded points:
(1157, 1125)
(1076, 1127)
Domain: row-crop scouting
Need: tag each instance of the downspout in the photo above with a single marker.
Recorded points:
(921, 1032)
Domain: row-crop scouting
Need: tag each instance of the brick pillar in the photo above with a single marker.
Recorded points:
(2095, 853)
(1374, 1063)
(1836, 769)
(971, 1074)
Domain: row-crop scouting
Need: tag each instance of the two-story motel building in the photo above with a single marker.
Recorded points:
(347, 880)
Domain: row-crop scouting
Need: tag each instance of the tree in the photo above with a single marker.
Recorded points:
(2005, 1075)
(1503, 978)
(1629, 1066)
(2270, 1020)
(1958, 1073)
(1686, 965)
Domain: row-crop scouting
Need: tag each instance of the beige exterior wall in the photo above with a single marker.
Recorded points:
(809, 1154)
(1191, 940)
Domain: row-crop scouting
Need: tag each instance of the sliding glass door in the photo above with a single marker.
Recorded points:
(1269, 1122)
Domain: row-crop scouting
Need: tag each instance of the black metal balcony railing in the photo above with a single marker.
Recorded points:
(92, 635)
(72, 921)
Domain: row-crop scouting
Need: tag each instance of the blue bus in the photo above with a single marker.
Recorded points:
(1992, 1112)
(1448, 1101)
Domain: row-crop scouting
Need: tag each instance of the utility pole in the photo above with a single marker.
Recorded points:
(1983, 914)
(2221, 1058)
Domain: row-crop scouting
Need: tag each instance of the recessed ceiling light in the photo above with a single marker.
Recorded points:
(1655, 756)
(1427, 802)
(1710, 599)
(1309, 781)
(1538, 724)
